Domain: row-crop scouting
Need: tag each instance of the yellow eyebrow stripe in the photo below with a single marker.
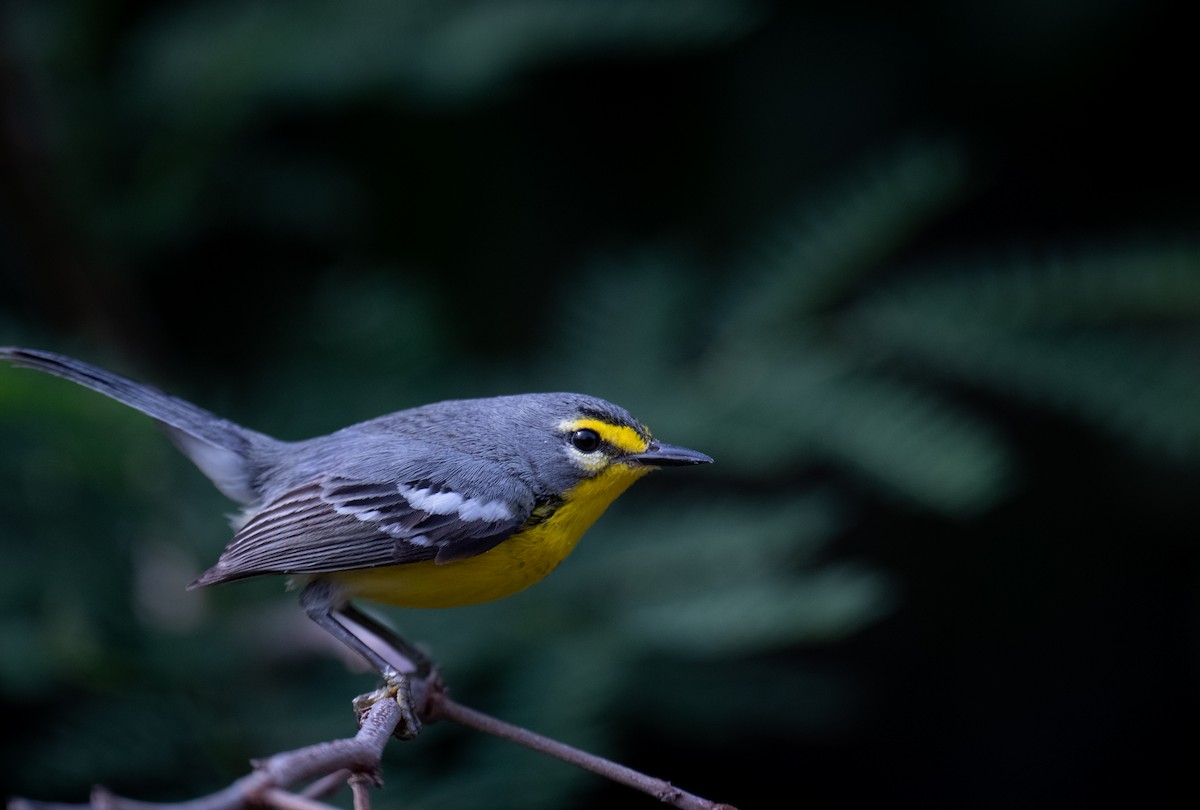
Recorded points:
(619, 436)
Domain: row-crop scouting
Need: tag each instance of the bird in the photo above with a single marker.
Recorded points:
(452, 503)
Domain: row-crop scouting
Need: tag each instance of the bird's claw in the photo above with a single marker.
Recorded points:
(397, 686)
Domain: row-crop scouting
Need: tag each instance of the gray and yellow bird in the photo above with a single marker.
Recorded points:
(453, 503)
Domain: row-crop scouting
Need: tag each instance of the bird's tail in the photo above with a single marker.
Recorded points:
(227, 453)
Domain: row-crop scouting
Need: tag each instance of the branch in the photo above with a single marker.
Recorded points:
(356, 760)
(266, 784)
(442, 707)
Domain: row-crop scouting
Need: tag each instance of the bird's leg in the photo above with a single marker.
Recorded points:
(328, 609)
(422, 664)
(402, 687)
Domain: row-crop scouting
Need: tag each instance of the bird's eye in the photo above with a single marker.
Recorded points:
(586, 440)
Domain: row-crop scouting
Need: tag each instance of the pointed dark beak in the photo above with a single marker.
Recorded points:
(667, 455)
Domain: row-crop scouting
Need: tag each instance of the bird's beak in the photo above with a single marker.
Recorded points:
(658, 454)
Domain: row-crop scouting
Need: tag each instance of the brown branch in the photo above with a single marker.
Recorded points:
(327, 784)
(285, 800)
(442, 707)
(356, 760)
(357, 754)
(359, 784)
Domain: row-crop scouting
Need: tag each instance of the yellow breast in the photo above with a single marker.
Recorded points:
(515, 564)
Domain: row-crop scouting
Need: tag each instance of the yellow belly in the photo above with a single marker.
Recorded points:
(514, 565)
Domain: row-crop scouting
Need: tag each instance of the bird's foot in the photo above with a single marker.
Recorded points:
(397, 686)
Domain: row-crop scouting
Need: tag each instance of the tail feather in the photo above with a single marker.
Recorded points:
(223, 451)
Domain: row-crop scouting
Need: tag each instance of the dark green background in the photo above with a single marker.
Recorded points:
(923, 280)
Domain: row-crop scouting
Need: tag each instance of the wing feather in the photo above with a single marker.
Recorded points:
(339, 524)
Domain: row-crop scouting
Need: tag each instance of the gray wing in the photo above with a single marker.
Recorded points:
(340, 523)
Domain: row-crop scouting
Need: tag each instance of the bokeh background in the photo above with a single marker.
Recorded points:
(924, 280)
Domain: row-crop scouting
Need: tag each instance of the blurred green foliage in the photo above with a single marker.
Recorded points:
(714, 213)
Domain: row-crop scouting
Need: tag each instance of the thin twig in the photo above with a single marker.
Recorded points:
(356, 759)
(442, 707)
(360, 787)
(359, 753)
(286, 800)
(327, 785)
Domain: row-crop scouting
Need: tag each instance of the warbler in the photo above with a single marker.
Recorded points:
(453, 503)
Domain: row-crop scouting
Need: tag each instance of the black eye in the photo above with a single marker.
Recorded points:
(586, 441)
